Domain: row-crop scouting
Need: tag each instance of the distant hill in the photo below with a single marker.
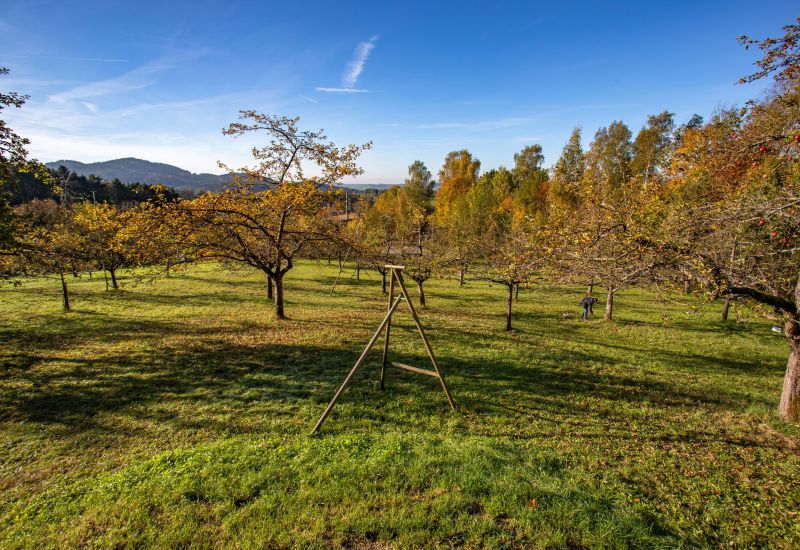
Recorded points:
(129, 170)
(362, 187)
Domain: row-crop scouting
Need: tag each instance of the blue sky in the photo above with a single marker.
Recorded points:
(158, 80)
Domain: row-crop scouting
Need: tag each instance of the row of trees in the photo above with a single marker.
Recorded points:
(707, 206)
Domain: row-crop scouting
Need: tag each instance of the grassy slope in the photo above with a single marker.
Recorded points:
(177, 413)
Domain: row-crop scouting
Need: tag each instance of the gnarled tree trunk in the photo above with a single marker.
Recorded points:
(421, 293)
(64, 291)
(725, 307)
(591, 286)
(383, 281)
(789, 408)
(270, 289)
(278, 280)
(113, 273)
(609, 304)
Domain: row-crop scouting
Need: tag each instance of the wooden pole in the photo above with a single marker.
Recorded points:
(388, 328)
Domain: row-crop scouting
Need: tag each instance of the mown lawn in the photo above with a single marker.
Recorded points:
(176, 413)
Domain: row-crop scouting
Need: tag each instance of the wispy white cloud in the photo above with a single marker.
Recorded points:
(342, 90)
(354, 68)
(127, 82)
(91, 106)
(136, 79)
(311, 99)
(356, 65)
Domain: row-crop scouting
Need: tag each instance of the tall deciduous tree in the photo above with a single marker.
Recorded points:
(565, 187)
(652, 146)
(531, 180)
(274, 208)
(608, 161)
(458, 174)
(418, 187)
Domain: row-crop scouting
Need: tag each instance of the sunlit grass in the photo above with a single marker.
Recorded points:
(177, 412)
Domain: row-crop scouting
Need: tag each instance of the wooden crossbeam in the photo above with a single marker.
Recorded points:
(415, 369)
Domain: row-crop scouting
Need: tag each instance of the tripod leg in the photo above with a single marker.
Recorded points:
(427, 344)
(358, 364)
(388, 329)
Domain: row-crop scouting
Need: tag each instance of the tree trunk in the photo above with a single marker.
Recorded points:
(279, 297)
(64, 291)
(460, 277)
(329, 259)
(686, 286)
(270, 286)
(383, 281)
(591, 286)
(516, 292)
(113, 273)
(358, 272)
(789, 408)
(609, 304)
(508, 308)
(725, 307)
(421, 294)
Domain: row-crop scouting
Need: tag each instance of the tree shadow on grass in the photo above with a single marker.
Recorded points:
(217, 374)
(194, 299)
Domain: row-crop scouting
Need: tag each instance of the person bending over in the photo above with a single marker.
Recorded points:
(588, 306)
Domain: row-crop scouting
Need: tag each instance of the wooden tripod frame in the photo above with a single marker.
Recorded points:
(387, 324)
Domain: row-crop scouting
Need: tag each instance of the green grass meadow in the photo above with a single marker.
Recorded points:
(177, 412)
